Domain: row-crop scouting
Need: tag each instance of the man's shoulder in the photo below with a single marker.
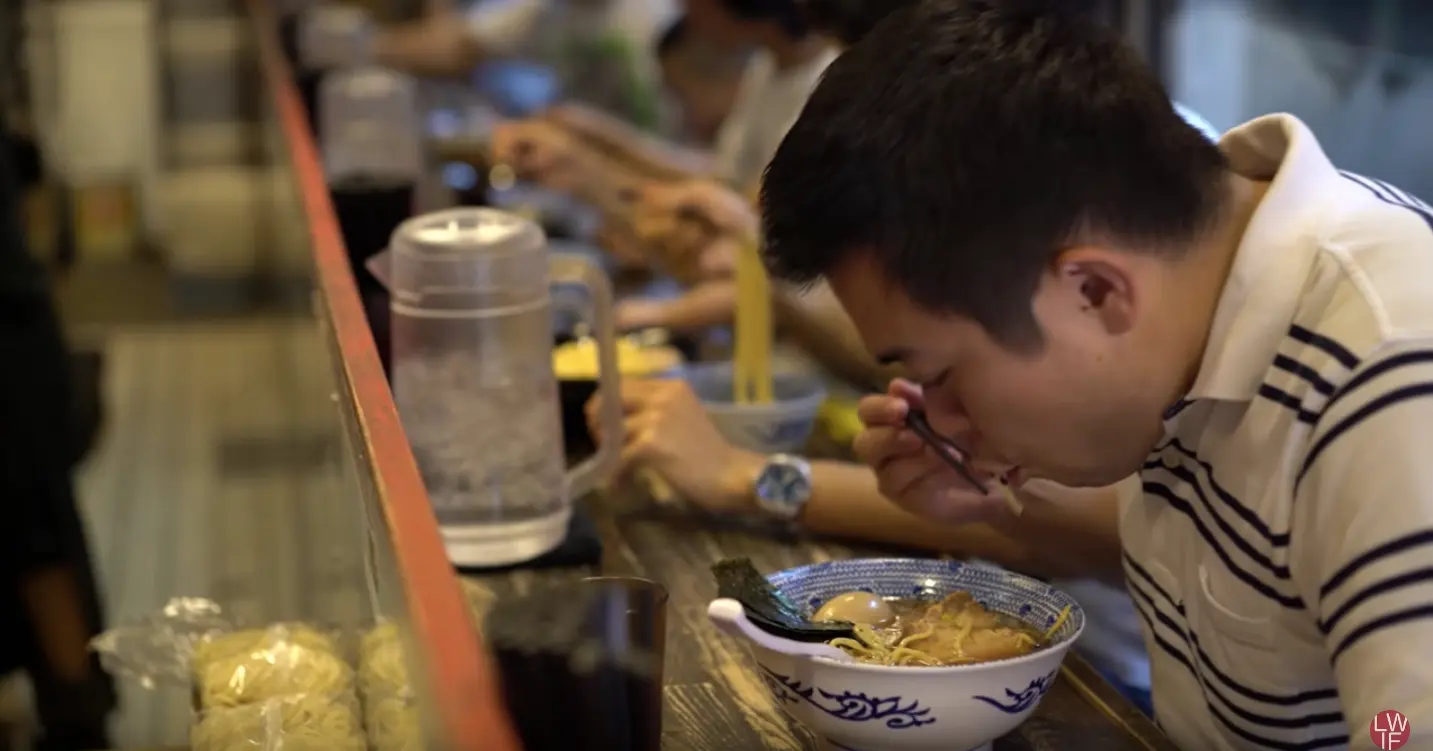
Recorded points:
(1371, 286)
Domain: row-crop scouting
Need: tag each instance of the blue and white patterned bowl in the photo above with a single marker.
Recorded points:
(862, 707)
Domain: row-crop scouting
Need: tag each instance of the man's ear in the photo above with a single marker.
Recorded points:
(1101, 284)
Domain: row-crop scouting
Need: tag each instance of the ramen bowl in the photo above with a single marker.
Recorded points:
(785, 424)
(865, 707)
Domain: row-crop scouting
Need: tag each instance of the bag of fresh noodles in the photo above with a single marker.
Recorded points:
(158, 649)
(302, 722)
(393, 722)
(192, 642)
(382, 664)
(382, 668)
(254, 665)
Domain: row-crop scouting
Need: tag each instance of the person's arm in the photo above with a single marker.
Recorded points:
(668, 432)
(637, 151)
(813, 318)
(1361, 538)
(430, 47)
(449, 44)
(846, 503)
(54, 605)
(707, 304)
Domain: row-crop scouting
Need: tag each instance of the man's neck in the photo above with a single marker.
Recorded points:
(789, 52)
(1206, 272)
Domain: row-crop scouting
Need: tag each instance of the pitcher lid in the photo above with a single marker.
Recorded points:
(473, 229)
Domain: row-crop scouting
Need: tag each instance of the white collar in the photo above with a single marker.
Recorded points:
(1275, 255)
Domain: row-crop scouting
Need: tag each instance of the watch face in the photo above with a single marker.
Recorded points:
(783, 484)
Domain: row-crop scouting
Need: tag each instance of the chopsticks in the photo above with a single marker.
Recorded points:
(951, 454)
(954, 457)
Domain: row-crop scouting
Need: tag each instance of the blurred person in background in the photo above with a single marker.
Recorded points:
(49, 602)
(701, 80)
(599, 50)
(591, 153)
(668, 431)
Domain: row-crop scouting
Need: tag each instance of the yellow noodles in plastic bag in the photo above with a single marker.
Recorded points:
(381, 660)
(381, 666)
(480, 599)
(304, 722)
(244, 667)
(393, 723)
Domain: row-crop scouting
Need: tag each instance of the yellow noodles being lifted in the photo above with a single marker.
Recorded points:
(751, 364)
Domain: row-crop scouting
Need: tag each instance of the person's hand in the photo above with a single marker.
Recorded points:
(909, 471)
(693, 228)
(636, 313)
(622, 244)
(667, 431)
(724, 210)
(540, 151)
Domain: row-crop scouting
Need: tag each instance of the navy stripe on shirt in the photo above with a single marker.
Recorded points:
(1328, 346)
(1307, 374)
(1283, 700)
(1370, 409)
(1246, 514)
(1139, 579)
(1421, 574)
(1189, 478)
(1392, 196)
(1285, 399)
(1304, 372)
(1255, 583)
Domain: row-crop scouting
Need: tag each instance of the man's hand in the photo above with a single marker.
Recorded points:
(667, 431)
(909, 471)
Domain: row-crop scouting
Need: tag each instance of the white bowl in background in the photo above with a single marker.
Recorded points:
(784, 425)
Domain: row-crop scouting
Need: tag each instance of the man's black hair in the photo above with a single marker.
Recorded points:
(786, 14)
(964, 143)
(849, 20)
(673, 37)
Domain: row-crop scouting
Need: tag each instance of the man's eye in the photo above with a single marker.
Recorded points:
(936, 381)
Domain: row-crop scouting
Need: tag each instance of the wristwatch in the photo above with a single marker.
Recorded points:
(783, 486)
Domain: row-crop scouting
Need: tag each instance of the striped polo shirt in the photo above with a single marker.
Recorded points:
(1280, 553)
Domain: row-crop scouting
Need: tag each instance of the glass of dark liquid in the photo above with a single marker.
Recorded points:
(370, 137)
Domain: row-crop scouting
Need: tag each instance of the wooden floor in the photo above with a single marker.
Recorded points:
(221, 475)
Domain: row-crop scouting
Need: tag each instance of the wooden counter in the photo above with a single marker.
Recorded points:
(714, 699)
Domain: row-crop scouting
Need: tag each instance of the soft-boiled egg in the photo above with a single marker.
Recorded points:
(862, 608)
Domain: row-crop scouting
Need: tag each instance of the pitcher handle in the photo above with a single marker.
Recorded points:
(575, 268)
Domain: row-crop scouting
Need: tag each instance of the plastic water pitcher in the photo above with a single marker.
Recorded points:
(472, 323)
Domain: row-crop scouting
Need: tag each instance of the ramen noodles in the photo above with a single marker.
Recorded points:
(925, 633)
